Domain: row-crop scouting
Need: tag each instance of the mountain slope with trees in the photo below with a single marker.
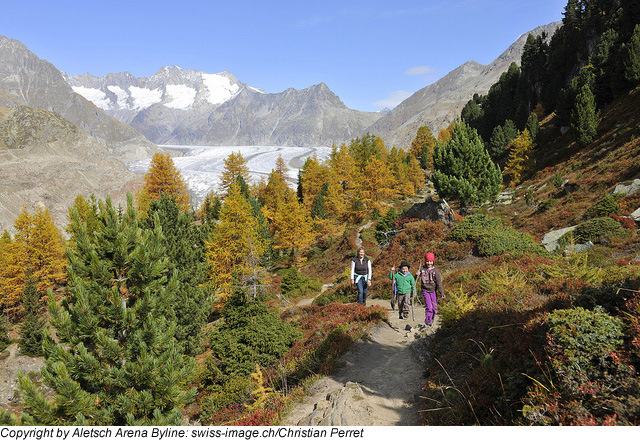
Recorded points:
(528, 334)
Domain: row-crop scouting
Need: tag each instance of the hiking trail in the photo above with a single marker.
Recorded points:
(378, 382)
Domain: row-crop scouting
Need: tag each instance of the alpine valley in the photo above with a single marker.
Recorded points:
(62, 136)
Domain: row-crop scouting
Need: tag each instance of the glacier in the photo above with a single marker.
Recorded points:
(202, 166)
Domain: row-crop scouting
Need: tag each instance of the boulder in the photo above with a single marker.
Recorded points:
(627, 188)
(550, 239)
(635, 215)
(569, 187)
(431, 210)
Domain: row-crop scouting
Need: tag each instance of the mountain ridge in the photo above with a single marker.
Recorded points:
(188, 107)
(438, 104)
(25, 79)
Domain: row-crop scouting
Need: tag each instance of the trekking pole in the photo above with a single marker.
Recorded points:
(393, 293)
(413, 314)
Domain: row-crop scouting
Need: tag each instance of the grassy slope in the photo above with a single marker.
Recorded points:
(490, 354)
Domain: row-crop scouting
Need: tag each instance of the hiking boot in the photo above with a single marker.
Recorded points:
(400, 317)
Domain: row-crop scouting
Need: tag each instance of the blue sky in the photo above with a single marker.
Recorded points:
(370, 53)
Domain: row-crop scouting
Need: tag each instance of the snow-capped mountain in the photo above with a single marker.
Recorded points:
(172, 87)
(25, 79)
(188, 107)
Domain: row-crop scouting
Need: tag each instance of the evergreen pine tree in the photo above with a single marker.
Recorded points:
(32, 326)
(532, 126)
(116, 362)
(210, 208)
(184, 242)
(5, 326)
(463, 169)
(584, 116)
(631, 58)
(422, 147)
(318, 210)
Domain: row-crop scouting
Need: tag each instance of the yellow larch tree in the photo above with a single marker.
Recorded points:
(281, 168)
(12, 274)
(343, 165)
(399, 167)
(335, 201)
(519, 161)
(273, 194)
(37, 246)
(377, 183)
(314, 175)
(291, 227)
(423, 146)
(415, 174)
(235, 166)
(234, 244)
(445, 134)
(163, 178)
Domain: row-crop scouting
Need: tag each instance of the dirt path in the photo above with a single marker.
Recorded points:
(378, 382)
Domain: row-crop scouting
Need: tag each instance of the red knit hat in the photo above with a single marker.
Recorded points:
(429, 256)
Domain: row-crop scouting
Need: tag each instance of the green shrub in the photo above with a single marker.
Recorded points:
(492, 238)
(500, 241)
(473, 226)
(294, 284)
(583, 339)
(595, 230)
(4, 333)
(250, 335)
(605, 206)
(547, 204)
(558, 179)
(234, 391)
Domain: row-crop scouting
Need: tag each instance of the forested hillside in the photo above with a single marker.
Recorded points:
(159, 313)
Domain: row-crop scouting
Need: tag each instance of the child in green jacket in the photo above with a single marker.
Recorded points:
(406, 286)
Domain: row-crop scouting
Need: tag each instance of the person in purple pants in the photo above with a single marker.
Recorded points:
(431, 280)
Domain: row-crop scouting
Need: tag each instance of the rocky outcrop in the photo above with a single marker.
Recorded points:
(431, 210)
(25, 79)
(47, 161)
(344, 407)
(187, 107)
(551, 239)
(628, 188)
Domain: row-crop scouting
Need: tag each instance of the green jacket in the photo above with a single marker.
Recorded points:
(405, 284)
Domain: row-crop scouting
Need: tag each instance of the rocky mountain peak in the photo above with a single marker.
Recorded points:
(438, 104)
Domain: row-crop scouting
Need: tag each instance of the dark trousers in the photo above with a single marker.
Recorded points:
(362, 291)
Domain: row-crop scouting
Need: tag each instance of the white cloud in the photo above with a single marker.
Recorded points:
(420, 70)
(393, 99)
